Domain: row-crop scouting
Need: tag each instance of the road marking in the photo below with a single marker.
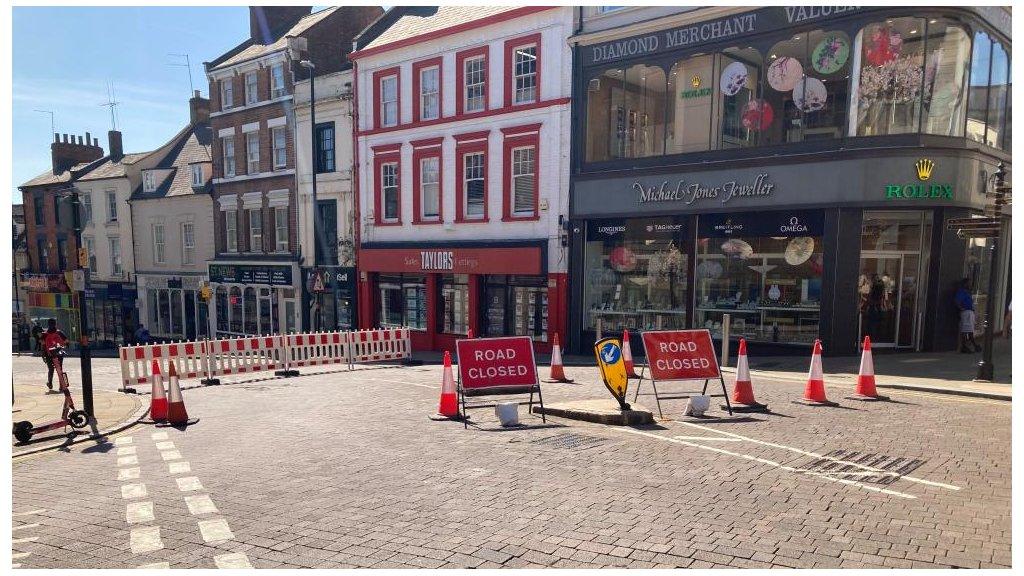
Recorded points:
(139, 512)
(127, 460)
(200, 504)
(20, 555)
(168, 445)
(146, 539)
(815, 455)
(129, 491)
(127, 473)
(178, 467)
(155, 565)
(158, 435)
(23, 526)
(24, 540)
(707, 438)
(123, 440)
(215, 530)
(29, 513)
(234, 560)
(769, 463)
(189, 483)
(126, 450)
(171, 455)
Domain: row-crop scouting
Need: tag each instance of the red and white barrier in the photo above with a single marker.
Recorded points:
(190, 360)
(377, 345)
(234, 356)
(318, 349)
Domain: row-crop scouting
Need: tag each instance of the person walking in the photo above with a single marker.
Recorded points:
(965, 304)
(37, 338)
(50, 341)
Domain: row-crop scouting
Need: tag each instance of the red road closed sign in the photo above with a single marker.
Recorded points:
(681, 355)
(492, 362)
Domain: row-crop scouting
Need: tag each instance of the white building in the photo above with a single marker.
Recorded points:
(463, 171)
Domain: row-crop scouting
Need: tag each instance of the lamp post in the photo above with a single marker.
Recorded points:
(317, 241)
(986, 371)
(85, 353)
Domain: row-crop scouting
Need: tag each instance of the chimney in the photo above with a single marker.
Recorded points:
(66, 151)
(268, 23)
(114, 143)
(199, 109)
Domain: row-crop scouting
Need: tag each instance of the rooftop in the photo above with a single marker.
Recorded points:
(419, 20)
(250, 50)
(193, 146)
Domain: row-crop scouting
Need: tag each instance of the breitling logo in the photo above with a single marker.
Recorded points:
(924, 168)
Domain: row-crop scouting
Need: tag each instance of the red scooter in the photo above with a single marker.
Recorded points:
(69, 416)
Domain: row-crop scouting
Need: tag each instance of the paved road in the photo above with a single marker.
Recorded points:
(346, 470)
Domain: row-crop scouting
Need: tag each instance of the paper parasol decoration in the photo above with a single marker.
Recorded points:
(799, 250)
(784, 73)
(622, 259)
(734, 77)
(810, 95)
(831, 54)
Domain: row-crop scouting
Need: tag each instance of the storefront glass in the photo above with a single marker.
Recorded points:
(455, 303)
(221, 305)
(889, 81)
(516, 305)
(892, 278)
(764, 271)
(403, 301)
(949, 53)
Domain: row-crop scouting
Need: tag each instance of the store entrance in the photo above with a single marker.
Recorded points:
(887, 289)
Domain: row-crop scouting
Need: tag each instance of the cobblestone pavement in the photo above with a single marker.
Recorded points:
(344, 469)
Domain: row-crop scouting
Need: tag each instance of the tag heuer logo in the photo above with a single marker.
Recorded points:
(924, 168)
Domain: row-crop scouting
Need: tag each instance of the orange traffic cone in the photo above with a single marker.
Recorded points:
(814, 394)
(743, 391)
(557, 371)
(866, 377)
(627, 356)
(158, 399)
(448, 408)
(176, 414)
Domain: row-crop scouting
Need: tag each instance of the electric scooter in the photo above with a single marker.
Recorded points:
(69, 416)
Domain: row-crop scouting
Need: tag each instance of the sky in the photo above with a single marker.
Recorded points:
(64, 57)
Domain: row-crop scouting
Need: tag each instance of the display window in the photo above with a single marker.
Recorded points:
(637, 274)
(516, 305)
(455, 303)
(764, 271)
(889, 82)
(403, 301)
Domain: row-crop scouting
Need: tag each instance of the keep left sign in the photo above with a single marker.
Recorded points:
(492, 362)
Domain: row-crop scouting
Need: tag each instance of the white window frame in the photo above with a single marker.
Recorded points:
(227, 93)
(467, 100)
(197, 175)
(388, 105)
(436, 183)
(434, 95)
(466, 179)
(516, 77)
(231, 230)
(90, 249)
(281, 228)
(395, 187)
(252, 153)
(255, 232)
(86, 208)
(148, 181)
(188, 243)
(159, 243)
(114, 243)
(252, 90)
(277, 83)
(280, 152)
(111, 196)
(516, 165)
(228, 149)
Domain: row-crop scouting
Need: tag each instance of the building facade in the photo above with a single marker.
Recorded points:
(791, 167)
(461, 153)
(255, 274)
(172, 215)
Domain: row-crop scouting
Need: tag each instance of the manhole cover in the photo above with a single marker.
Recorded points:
(569, 441)
(864, 467)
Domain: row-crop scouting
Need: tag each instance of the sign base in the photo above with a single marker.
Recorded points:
(816, 403)
(746, 408)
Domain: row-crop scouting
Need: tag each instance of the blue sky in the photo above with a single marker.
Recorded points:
(64, 57)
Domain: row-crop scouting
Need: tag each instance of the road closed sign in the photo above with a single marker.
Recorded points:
(492, 362)
(681, 355)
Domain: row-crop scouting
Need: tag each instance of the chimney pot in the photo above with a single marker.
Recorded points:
(88, 138)
(114, 143)
(56, 137)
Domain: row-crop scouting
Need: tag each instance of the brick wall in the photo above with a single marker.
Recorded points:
(49, 231)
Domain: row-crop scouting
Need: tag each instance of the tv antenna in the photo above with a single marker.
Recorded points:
(53, 128)
(111, 103)
(187, 64)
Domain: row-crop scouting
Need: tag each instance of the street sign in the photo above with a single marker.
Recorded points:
(78, 280)
(83, 258)
(973, 222)
(613, 368)
(318, 282)
(496, 362)
(681, 355)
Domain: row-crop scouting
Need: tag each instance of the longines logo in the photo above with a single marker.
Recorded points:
(695, 191)
(611, 230)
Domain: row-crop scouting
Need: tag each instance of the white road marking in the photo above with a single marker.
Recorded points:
(234, 560)
(215, 530)
(24, 540)
(769, 463)
(129, 491)
(168, 445)
(155, 565)
(123, 440)
(200, 504)
(126, 450)
(127, 473)
(23, 526)
(158, 435)
(139, 512)
(127, 460)
(171, 455)
(20, 555)
(29, 513)
(189, 483)
(178, 467)
(146, 539)
(815, 455)
(707, 438)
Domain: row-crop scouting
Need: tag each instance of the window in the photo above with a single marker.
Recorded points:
(607, 9)
(389, 191)
(403, 301)
(325, 147)
(251, 92)
(474, 180)
(111, 206)
(235, 312)
(197, 175)
(740, 109)
(430, 187)
(524, 181)
(159, 252)
(255, 230)
(148, 181)
(455, 303)
(221, 304)
(626, 113)
(998, 88)
(887, 88)
(188, 243)
(277, 87)
(475, 97)
(44, 255)
(227, 93)
(228, 144)
(281, 229)
(90, 249)
(252, 152)
(56, 210)
(689, 114)
(86, 199)
(115, 256)
(946, 72)
(280, 144)
(430, 93)
(231, 230)
(249, 311)
(62, 255)
(524, 75)
(38, 209)
(389, 101)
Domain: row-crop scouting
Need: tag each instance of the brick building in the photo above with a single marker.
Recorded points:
(255, 272)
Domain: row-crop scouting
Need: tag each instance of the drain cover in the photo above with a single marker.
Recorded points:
(569, 441)
(864, 467)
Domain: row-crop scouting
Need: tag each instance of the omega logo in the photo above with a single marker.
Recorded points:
(794, 226)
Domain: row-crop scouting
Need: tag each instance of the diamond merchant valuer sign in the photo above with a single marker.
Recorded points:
(691, 192)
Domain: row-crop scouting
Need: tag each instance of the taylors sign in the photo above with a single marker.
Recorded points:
(688, 193)
(437, 260)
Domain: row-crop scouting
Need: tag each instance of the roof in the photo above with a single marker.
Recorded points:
(49, 177)
(193, 146)
(109, 168)
(251, 50)
(419, 20)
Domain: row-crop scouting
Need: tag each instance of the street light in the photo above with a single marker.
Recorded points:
(85, 354)
(317, 241)
(986, 371)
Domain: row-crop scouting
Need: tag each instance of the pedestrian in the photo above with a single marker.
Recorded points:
(37, 337)
(141, 334)
(965, 304)
(52, 339)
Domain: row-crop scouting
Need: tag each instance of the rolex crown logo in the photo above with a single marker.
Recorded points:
(924, 169)
(695, 81)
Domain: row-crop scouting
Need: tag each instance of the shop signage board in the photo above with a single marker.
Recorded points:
(496, 366)
(612, 365)
(527, 260)
(251, 274)
(787, 223)
(679, 356)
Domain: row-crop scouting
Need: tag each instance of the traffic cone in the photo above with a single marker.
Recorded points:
(743, 391)
(866, 377)
(627, 356)
(176, 414)
(158, 399)
(814, 394)
(557, 371)
(448, 408)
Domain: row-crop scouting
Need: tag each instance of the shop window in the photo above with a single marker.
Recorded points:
(268, 324)
(222, 309)
(888, 86)
(998, 89)
(152, 297)
(689, 113)
(764, 271)
(163, 304)
(823, 94)
(403, 301)
(249, 317)
(781, 120)
(604, 99)
(176, 313)
(626, 113)
(740, 109)
(946, 67)
(529, 303)
(636, 275)
(235, 310)
(455, 303)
